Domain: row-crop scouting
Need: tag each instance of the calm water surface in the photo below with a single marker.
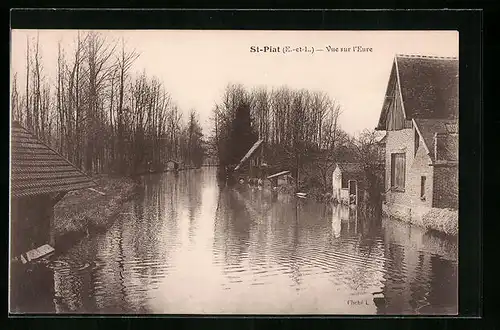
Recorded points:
(186, 245)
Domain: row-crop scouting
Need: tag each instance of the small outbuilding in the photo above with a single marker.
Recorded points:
(172, 165)
(40, 177)
(348, 182)
(252, 163)
(280, 178)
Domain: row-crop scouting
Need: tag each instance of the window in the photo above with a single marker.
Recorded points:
(344, 182)
(398, 169)
(422, 188)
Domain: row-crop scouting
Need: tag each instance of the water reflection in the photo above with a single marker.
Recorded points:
(186, 245)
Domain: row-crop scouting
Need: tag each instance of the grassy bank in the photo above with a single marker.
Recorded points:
(83, 211)
(441, 220)
(432, 219)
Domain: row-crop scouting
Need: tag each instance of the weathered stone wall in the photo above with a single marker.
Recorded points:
(417, 165)
(430, 218)
(400, 141)
(337, 184)
(418, 168)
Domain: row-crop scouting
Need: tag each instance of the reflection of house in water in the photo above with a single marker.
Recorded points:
(344, 220)
(336, 222)
(422, 261)
(232, 228)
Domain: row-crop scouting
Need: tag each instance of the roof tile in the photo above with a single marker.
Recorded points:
(37, 169)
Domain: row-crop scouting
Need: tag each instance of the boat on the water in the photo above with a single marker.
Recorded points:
(301, 195)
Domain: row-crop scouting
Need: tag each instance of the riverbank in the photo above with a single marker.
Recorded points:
(83, 211)
(432, 219)
(444, 221)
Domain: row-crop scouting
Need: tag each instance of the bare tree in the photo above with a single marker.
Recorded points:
(368, 147)
(14, 101)
(124, 63)
(98, 114)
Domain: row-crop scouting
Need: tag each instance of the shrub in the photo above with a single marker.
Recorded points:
(443, 220)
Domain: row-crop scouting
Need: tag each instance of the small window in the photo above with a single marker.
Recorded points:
(398, 171)
(344, 182)
(422, 187)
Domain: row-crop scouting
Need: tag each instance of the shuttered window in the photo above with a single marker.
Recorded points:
(398, 170)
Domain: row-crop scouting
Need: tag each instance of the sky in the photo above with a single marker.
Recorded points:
(196, 65)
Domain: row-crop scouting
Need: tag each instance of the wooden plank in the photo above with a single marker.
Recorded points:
(97, 191)
(278, 174)
(39, 252)
(249, 153)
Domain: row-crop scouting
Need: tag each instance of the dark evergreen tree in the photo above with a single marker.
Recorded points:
(242, 136)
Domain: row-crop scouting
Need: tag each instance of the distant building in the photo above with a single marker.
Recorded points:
(172, 165)
(252, 163)
(348, 182)
(420, 117)
(280, 179)
(40, 177)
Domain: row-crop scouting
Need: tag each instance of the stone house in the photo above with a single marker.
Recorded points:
(420, 117)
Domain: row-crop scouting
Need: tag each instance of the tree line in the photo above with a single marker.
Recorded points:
(300, 130)
(100, 115)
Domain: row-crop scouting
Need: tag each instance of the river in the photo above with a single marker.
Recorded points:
(185, 245)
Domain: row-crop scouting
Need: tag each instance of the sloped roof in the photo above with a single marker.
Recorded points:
(37, 169)
(351, 167)
(447, 147)
(275, 175)
(428, 127)
(429, 87)
(249, 153)
(352, 171)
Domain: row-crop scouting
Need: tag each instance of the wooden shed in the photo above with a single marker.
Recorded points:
(172, 165)
(40, 177)
(252, 162)
(280, 178)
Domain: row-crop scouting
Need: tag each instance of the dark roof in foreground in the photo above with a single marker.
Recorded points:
(447, 138)
(352, 171)
(429, 87)
(37, 169)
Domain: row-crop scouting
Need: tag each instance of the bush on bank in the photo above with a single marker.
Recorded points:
(84, 210)
(443, 220)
